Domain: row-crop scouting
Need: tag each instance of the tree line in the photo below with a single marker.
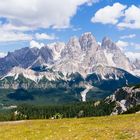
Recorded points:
(81, 109)
(87, 109)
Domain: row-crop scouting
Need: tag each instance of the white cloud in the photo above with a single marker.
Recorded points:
(109, 14)
(121, 44)
(133, 55)
(44, 36)
(128, 36)
(136, 46)
(40, 13)
(13, 36)
(2, 54)
(35, 44)
(131, 18)
(76, 29)
(130, 45)
(120, 15)
(9, 32)
(10, 27)
(90, 2)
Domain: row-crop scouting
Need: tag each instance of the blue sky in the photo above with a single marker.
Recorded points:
(35, 23)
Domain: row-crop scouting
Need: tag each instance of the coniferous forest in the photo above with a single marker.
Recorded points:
(77, 110)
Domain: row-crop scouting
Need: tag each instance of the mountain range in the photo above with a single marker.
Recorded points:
(81, 63)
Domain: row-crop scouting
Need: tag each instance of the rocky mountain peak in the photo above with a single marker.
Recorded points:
(81, 55)
(88, 42)
(107, 43)
(56, 49)
(114, 55)
(103, 66)
(88, 35)
(73, 42)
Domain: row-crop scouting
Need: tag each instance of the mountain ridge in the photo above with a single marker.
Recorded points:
(81, 49)
(103, 66)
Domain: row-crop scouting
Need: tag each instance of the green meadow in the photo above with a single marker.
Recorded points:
(122, 127)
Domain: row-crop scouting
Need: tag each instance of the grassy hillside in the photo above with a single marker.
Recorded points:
(99, 128)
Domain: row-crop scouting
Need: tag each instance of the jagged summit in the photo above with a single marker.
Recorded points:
(88, 41)
(108, 44)
(81, 55)
(78, 70)
(80, 63)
